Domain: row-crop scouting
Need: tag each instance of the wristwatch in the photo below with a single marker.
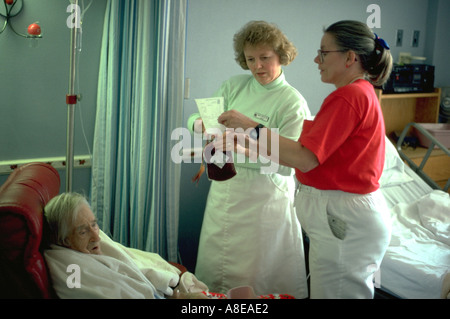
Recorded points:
(254, 134)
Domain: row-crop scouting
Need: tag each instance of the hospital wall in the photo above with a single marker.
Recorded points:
(210, 59)
(34, 81)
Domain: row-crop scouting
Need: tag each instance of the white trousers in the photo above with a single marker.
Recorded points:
(251, 236)
(349, 235)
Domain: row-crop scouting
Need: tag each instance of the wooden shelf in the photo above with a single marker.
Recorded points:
(436, 93)
(403, 108)
(437, 167)
(419, 152)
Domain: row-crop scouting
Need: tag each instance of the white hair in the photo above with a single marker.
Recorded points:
(61, 213)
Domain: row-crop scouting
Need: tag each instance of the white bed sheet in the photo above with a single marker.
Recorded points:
(418, 258)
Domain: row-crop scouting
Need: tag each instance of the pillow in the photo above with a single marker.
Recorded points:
(392, 158)
(394, 167)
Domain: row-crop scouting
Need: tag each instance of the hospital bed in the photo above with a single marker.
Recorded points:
(417, 262)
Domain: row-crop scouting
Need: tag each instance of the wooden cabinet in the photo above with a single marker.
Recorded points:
(437, 166)
(401, 109)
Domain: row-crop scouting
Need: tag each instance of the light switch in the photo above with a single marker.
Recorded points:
(415, 39)
(399, 38)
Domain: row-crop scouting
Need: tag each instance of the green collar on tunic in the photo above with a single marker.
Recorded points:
(272, 85)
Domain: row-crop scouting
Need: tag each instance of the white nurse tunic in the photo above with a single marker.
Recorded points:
(250, 233)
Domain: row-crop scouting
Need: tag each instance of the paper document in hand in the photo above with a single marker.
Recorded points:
(210, 109)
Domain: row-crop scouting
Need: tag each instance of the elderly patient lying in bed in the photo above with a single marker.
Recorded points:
(85, 263)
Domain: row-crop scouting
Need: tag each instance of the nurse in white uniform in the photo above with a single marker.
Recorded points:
(250, 233)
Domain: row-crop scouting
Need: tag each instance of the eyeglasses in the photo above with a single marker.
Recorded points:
(321, 53)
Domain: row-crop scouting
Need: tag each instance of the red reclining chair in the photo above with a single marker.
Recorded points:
(23, 271)
(24, 233)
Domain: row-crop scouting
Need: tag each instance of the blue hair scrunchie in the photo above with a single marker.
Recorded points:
(381, 42)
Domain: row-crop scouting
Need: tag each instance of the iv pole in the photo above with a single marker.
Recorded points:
(71, 100)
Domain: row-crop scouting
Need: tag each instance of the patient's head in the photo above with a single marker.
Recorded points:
(73, 223)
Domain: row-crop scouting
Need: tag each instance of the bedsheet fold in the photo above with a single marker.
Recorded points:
(417, 262)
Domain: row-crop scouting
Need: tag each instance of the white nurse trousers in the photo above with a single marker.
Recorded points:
(349, 235)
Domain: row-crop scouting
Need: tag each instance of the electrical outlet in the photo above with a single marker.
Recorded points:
(399, 38)
(415, 38)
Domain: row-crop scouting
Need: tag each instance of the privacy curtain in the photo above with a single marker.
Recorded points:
(135, 183)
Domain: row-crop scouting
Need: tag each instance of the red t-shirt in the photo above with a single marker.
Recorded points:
(347, 136)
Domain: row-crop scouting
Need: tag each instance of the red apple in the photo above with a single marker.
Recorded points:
(9, 2)
(34, 29)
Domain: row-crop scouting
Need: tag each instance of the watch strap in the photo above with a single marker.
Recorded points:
(257, 128)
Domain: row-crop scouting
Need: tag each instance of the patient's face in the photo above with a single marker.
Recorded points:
(84, 235)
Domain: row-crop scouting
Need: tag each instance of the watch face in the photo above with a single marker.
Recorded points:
(254, 134)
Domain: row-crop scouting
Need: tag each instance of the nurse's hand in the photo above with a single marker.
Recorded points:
(237, 142)
(199, 127)
(236, 120)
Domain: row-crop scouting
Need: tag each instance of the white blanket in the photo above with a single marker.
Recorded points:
(418, 258)
(120, 272)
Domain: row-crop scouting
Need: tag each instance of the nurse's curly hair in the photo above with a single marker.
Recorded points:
(261, 32)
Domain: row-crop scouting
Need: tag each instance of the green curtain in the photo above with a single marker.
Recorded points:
(135, 184)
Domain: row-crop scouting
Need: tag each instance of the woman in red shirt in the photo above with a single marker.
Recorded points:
(338, 159)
